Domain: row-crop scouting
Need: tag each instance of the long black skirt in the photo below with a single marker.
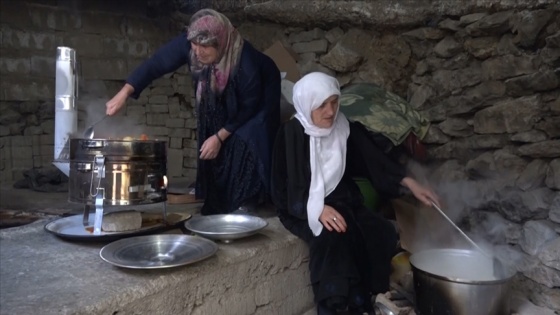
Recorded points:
(356, 263)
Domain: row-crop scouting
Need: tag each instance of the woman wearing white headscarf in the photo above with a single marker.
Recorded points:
(315, 157)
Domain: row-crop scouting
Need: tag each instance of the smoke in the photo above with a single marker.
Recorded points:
(91, 104)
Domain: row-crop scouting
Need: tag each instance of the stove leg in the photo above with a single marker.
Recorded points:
(165, 212)
(85, 219)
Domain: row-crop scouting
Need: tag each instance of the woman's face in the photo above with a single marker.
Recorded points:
(205, 54)
(324, 115)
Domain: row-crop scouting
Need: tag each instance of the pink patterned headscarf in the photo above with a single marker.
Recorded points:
(211, 28)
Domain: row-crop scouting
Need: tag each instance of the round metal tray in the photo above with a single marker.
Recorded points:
(157, 251)
(72, 227)
(225, 227)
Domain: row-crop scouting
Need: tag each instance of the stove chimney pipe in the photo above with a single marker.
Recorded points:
(66, 113)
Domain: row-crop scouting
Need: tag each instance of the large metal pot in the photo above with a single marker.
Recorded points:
(460, 282)
(124, 172)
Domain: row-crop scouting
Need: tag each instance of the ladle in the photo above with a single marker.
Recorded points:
(88, 134)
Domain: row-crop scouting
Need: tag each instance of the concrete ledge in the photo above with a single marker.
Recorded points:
(263, 274)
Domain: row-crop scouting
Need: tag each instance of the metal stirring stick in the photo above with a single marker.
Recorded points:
(457, 228)
(88, 134)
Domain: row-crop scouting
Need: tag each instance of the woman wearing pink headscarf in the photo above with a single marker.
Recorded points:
(238, 105)
(315, 157)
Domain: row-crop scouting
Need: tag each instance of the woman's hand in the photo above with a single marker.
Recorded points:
(210, 148)
(118, 101)
(331, 219)
(424, 194)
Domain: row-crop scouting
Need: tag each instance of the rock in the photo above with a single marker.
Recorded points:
(472, 99)
(481, 47)
(485, 141)
(533, 176)
(447, 47)
(449, 171)
(494, 24)
(341, 59)
(425, 33)
(544, 149)
(508, 163)
(530, 136)
(435, 113)
(550, 125)
(506, 46)
(308, 36)
(544, 275)
(419, 95)
(550, 254)
(555, 106)
(334, 35)
(553, 41)
(509, 116)
(519, 206)
(435, 136)
(316, 46)
(553, 175)
(529, 84)
(456, 127)
(550, 56)
(537, 293)
(451, 25)
(447, 81)
(535, 235)
(503, 67)
(483, 166)
(528, 25)
(310, 66)
(471, 18)
(10, 116)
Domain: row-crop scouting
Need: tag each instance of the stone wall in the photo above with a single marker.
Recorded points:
(110, 39)
(489, 82)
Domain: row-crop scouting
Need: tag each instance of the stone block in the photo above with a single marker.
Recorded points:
(115, 46)
(32, 130)
(15, 14)
(48, 127)
(189, 173)
(138, 48)
(54, 18)
(162, 90)
(178, 132)
(316, 46)
(189, 163)
(307, 36)
(4, 131)
(158, 99)
(508, 116)
(157, 119)
(28, 40)
(6, 154)
(86, 45)
(14, 65)
(104, 23)
(175, 123)
(47, 139)
(157, 131)
(175, 143)
(21, 141)
(190, 123)
(142, 28)
(22, 163)
(192, 144)
(104, 68)
(174, 162)
(43, 66)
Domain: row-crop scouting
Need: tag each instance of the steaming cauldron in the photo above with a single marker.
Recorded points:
(459, 282)
(127, 172)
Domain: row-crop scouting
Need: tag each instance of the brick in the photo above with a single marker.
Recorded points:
(86, 45)
(138, 48)
(161, 82)
(190, 144)
(157, 119)
(22, 153)
(137, 118)
(28, 40)
(22, 163)
(157, 131)
(26, 89)
(142, 28)
(157, 104)
(15, 14)
(47, 139)
(175, 143)
(190, 117)
(43, 66)
(6, 176)
(32, 130)
(189, 172)
(175, 123)
(190, 163)
(6, 153)
(190, 123)
(48, 126)
(104, 69)
(178, 132)
(174, 162)
(190, 153)
(162, 90)
(48, 17)
(115, 46)
(21, 141)
(96, 22)
(15, 65)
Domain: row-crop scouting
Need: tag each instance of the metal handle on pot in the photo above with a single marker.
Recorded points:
(99, 162)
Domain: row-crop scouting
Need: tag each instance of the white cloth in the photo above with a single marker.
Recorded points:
(327, 146)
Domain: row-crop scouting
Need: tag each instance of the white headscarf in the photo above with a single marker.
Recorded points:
(327, 146)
